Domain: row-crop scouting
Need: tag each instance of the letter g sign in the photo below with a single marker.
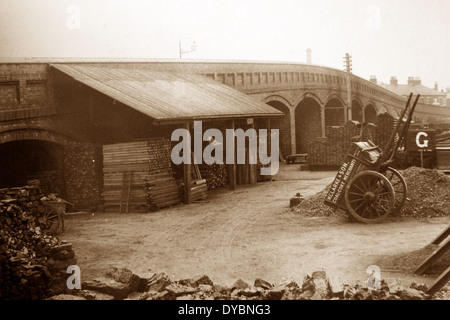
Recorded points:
(422, 143)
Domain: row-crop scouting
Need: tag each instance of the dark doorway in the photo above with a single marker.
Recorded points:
(307, 124)
(282, 123)
(357, 111)
(25, 160)
(370, 114)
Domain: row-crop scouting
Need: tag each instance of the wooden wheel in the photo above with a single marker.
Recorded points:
(399, 184)
(50, 220)
(369, 197)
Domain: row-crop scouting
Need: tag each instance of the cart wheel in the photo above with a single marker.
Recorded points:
(51, 220)
(399, 184)
(369, 197)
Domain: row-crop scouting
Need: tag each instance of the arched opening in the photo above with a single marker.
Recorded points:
(307, 123)
(334, 113)
(25, 160)
(283, 124)
(370, 114)
(357, 111)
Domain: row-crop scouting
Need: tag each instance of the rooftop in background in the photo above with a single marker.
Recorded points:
(406, 89)
(414, 85)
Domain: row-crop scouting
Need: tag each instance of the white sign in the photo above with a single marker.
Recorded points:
(422, 142)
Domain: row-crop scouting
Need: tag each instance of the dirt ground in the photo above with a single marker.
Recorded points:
(247, 234)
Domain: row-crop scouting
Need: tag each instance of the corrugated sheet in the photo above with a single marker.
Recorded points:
(166, 95)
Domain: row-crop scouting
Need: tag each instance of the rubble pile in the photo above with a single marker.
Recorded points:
(314, 206)
(32, 264)
(427, 196)
(118, 284)
(428, 193)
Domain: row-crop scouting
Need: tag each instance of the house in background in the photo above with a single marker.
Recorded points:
(428, 95)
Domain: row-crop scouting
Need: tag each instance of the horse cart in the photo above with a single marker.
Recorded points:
(366, 186)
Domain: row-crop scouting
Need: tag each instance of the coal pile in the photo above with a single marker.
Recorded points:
(428, 193)
(313, 206)
(32, 263)
(122, 284)
(427, 196)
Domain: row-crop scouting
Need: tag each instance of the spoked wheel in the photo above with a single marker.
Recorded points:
(369, 197)
(50, 220)
(399, 184)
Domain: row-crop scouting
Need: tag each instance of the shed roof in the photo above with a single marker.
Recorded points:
(168, 95)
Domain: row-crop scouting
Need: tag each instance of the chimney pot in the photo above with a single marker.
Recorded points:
(308, 56)
(394, 81)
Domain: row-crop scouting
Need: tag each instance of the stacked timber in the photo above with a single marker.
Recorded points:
(138, 176)
(199, 190)
(82, 174)
(351, 133)
(385, 126)
(162, 191)
(216, 175)
(318, 152)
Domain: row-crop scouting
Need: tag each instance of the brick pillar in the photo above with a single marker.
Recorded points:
(293, 140)
(322, 120)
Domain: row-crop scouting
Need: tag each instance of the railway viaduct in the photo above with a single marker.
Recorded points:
(310, 96)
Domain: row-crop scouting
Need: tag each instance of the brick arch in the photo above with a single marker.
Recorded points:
(370, 113)
(337, 97)
(35, 133)
(308, 95)
(278, 98)
(357, 109)
(334, 111)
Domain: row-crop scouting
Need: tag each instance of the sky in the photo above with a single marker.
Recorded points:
(385, 38)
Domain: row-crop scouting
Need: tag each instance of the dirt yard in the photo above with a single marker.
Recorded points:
(246, 234)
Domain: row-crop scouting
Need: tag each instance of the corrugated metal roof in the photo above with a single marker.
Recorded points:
(167, 95)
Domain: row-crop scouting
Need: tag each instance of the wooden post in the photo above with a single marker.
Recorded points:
(232, 167)
(269, 140)
(187, 172)
(421, 158)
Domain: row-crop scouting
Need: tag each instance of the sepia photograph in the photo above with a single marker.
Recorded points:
(225, 154)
